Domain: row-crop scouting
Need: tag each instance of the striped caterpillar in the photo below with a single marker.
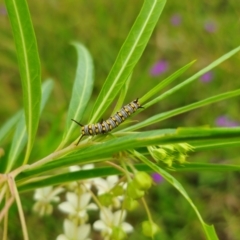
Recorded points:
(111, 123)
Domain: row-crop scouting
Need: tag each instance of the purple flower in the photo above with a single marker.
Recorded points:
(224, 121)
(159, 68)
(157, 178)
(176, 20)
(207, 77)
(210, 27)
(3, 10)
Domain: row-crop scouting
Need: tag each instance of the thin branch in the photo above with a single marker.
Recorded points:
(20, 210)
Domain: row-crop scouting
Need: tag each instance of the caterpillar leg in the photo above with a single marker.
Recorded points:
(136, 101)
(80, 139)
(77, 122)
(80, 126)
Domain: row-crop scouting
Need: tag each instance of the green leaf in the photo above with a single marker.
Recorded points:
(18, 143)
(69, 177)
(107, 171)
(122, 95)
(128, 56)
(165, 115)
(20, 136)
(214, 144)
(163, 84)
(213, 167)
(194, 77)
(29, 65)
(99, 152)
(81, 92)
(47, 87)
(103, 151)
(209, 230)
(8, 126)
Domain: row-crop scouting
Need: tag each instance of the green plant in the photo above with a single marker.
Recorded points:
(159, 150)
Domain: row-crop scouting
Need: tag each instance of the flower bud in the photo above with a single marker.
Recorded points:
(183, 147)
(130, 204)
(142, 181)
(150, 228)
(157, 153)
(169, 161)
(181, 158)
(105, 199)
(117, 191)
(134, 192)
(168, 148)
(118, 234)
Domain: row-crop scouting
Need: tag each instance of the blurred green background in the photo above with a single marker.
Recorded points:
(187, 30)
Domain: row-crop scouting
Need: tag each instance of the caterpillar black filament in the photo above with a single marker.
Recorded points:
(111, 123)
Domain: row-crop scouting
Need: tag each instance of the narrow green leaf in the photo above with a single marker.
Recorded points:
(206, 167)
(165, 115)
(103, 151)
(18, 143)
(107, 171)
(214, 144)
(69, 177)
(194, 77)
(206, 131)
(163, 84)
(209, 230)
(20, 136)
(74, 176)
(47, 87)
(29, 65)
(99, 152)
(7, 127)
(122, 95)
(128, 56)
(81, 92)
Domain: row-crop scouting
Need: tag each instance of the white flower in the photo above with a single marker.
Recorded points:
(77, 205)
(105, 185)
(82, 185)
(110, 220)
(73, 232)
(44, 196)
(47, 194)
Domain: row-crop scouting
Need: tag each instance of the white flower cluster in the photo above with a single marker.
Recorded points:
(79, 195)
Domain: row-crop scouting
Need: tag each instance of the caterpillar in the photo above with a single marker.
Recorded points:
(111, 123)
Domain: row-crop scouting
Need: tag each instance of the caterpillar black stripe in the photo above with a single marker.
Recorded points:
(111, 123)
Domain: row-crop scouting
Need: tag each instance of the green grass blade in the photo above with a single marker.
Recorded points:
(81, 92)
(163, 84)
(20, 136)
(194, 77)
(209, 230)
(29, 65)
(165, 115)
(7, 127)
(128, 56)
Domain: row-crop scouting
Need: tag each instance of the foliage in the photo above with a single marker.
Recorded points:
(125, 153)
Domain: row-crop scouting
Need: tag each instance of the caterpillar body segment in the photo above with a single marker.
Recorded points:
(111, 123)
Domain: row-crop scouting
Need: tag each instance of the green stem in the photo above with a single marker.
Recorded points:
(20, 210)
